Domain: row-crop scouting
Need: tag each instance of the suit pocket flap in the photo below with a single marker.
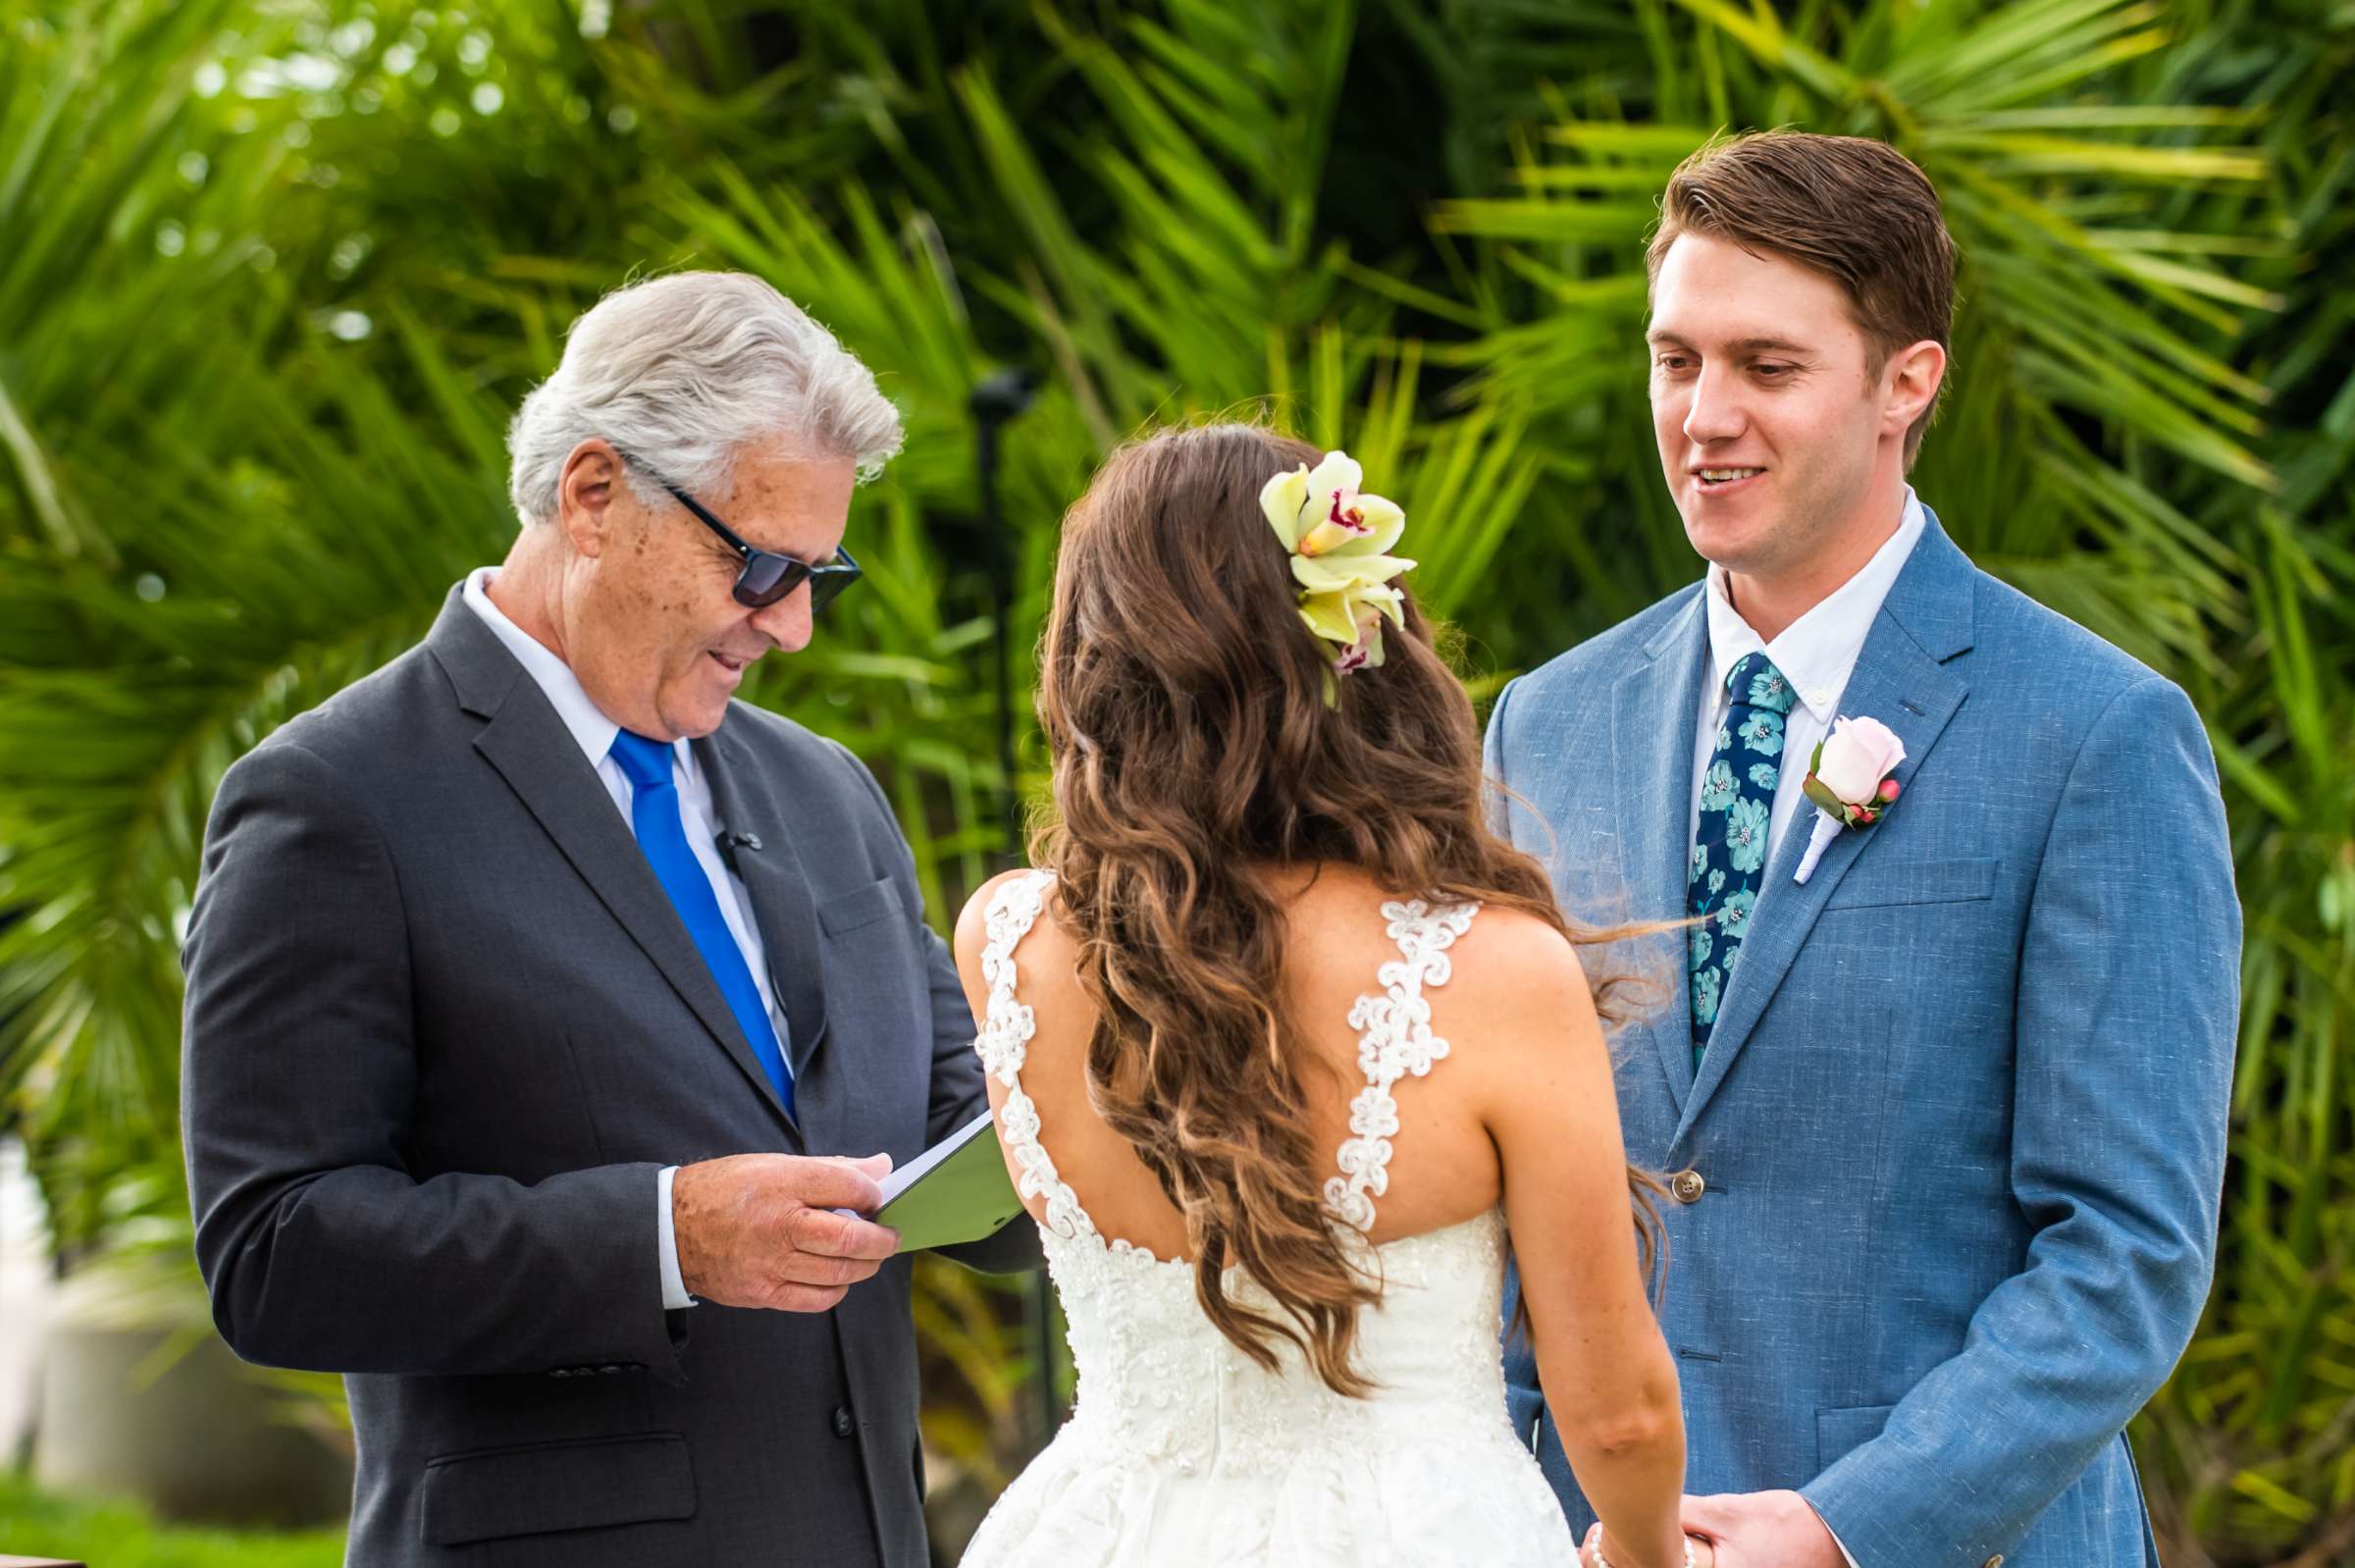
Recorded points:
(557, 1486)
(863, 907)
(1920, 882)
(1839, 1433)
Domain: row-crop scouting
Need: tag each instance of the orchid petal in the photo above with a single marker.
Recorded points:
(1382, 520)
(1336, 471)
(1368, 600)
(1329, 616)
(1284, 498)
(1322, 536)
(1321, 574)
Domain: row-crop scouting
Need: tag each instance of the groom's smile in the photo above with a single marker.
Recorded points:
(1719, 478)
(1763, 405)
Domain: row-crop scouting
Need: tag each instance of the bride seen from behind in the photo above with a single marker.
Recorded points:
(1285, 1043)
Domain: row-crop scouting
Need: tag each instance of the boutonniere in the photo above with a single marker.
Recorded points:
(1847, 779)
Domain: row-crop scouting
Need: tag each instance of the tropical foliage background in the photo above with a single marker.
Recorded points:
(273, 273)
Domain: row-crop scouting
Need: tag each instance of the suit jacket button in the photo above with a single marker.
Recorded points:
(842, 1421)
(1687, 1186)
(1996, 1561)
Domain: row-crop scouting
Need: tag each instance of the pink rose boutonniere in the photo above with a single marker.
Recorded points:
(1847, 779)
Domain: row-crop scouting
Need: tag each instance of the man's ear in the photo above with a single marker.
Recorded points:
(586, 493)
(1911, 379)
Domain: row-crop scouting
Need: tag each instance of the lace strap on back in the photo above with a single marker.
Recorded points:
(1005, 1037)
(1395, 1041)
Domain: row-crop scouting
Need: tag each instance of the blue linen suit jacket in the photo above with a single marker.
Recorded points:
(1961, 1121)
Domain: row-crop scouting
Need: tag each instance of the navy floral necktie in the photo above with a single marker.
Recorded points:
(1729, 849)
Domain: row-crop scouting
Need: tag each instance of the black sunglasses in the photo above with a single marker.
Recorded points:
(766, 576)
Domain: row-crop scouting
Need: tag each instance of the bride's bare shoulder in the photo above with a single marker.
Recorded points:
(1335, 912)
(972, 924)
(1047, 950)
(1514, 980)
(1518, 1009)
(1502, 944)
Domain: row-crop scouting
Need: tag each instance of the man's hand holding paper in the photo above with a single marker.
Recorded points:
(778, 1231)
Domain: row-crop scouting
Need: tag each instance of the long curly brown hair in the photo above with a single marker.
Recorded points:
(1186, 708)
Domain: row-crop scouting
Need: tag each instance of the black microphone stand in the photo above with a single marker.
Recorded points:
(997, 398)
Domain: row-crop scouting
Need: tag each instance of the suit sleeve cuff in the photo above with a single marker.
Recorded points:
(1849, 1557)
(674, 1286)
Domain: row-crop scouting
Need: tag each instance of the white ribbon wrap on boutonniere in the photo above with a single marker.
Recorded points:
(1847, 779)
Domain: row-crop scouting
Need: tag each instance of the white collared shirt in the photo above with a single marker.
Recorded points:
(1816, 653)
(595, 732)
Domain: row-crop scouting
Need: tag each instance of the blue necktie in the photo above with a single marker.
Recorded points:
(655, 813)
(1729, 849)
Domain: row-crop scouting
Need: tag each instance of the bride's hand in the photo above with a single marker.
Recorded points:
(1590, 1553)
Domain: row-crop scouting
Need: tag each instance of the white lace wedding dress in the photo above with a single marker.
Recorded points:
(1182, 1450)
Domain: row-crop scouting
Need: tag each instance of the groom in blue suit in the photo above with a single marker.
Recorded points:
(1943, 1111)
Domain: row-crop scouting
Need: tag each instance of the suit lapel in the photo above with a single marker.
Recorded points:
(526, 741)
(1655, 708)
(782, 904)
(1902, 679)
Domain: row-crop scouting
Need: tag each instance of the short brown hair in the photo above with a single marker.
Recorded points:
(1856, 210)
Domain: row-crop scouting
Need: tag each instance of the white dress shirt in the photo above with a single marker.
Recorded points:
(595, 732)
(1816, 652)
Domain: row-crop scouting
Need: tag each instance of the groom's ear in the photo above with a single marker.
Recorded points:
(1910, 385)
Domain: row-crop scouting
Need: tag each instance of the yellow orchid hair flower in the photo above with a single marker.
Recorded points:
(1338, 537)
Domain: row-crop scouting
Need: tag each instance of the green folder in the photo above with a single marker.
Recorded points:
(957, 1190)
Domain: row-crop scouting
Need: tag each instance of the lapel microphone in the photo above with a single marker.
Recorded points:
(728, 844)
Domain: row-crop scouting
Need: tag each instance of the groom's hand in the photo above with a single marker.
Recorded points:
(761, 1230)
(1763, 1530)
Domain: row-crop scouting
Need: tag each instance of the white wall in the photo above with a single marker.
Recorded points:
(24, 1297)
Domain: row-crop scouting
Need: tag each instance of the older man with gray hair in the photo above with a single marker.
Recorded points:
(539, 991)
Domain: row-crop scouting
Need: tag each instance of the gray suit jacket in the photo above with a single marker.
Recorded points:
(443, 1027)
